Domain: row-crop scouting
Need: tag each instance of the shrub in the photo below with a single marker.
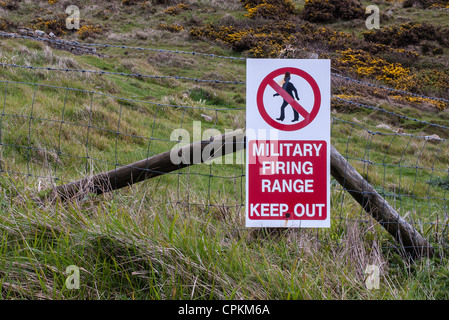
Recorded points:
(394, 74)
(9, 4)
(170, 27)
(55, 24)
(438, 51)
(332, 10)
(427, 3)
(5, 24)
(408, 34)
(440, 4)
(174, 10)
(366, 65)
(408, 3)
(262, 41)
(269, 39)
(132, 2)
(89, 31)
(427, 46)
(269, 9)
(327, 39)
(428, 80)
(440, 105)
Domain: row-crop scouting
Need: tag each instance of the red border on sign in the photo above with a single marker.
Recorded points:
(256, 194)
(308, 117)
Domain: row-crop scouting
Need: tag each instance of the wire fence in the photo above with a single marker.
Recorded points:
(86, 132)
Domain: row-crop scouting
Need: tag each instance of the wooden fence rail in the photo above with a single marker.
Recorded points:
(371, 201)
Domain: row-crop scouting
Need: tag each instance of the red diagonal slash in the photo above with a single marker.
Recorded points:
(303, 112)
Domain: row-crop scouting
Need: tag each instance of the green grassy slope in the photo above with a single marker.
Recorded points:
(160, 239)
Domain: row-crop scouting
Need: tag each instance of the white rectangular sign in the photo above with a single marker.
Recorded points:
(288, 143)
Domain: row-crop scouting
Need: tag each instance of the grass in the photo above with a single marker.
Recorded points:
(181, 236)
(131, 248)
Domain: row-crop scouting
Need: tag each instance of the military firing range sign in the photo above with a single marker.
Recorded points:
(288, 143)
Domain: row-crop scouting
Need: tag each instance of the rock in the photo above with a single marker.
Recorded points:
(433, 136)
(206, 117)
(383, 126)
(40, 33)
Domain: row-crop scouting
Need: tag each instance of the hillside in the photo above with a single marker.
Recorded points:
(164, 65)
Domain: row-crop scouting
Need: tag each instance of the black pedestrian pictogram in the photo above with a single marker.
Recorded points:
(270, 82)
(290, 89)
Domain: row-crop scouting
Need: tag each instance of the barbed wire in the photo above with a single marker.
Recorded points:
(121, 98)
(213, 81)
(213, 109)
(388, 88)
(102, 72)
(419, 201)
(389, 112)
(223, 109)
(193, 53)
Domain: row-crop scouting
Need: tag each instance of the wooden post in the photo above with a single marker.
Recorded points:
(374, 204)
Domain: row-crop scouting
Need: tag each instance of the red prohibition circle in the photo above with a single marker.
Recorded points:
(308, 117)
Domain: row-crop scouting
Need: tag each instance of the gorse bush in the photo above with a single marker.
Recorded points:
(269, 9)
(380, 55)
(5, 24)
(177, 9)
(55, 24)
(332, 10)
(269, 39)
(426, 3)
(170, 27)
(262, 41)
(89, 31)
(330, 40)
(9, 4)
(408, 34)
(132, 2)
(364, 64)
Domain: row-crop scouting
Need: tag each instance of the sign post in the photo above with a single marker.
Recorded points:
(288, 143)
